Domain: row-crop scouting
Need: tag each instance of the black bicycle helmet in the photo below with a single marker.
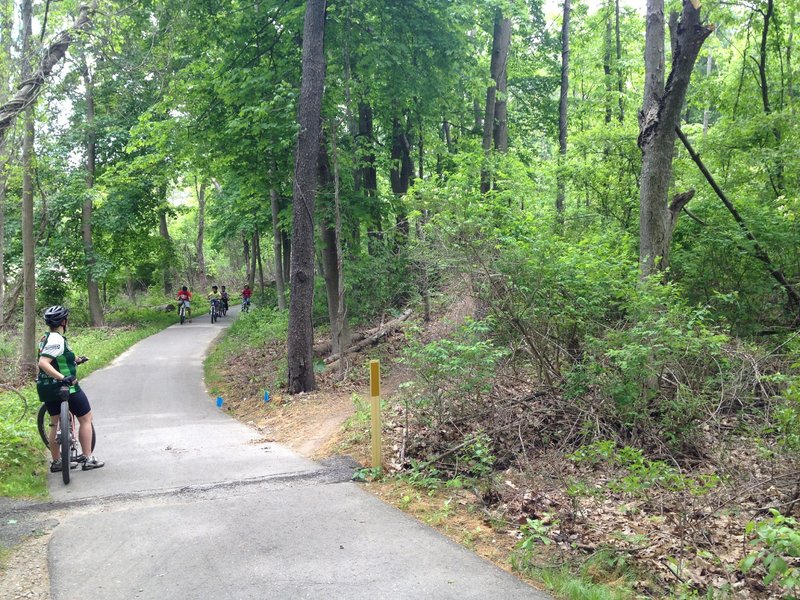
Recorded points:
(54, 315)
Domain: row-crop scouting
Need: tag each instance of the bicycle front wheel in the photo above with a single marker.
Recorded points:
(66, 442)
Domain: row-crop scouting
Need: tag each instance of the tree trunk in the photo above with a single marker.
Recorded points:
(253, 261)
(257, 254)
(400, 174)
(501, 40)
(607, 70)
(789, 50)
(93, 290)
(276, 248)
(331, 256)
(562, 109)
(5, 87)
(248, 269)
(301, 333)
(620, 79)
(501, 97)
(201, 233)
(28, 358)
(658, 119)
(163, 231)
(286, 254)
(368, 175)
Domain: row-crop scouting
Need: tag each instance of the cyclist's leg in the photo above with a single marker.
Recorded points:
(54, 410)
(79, 406)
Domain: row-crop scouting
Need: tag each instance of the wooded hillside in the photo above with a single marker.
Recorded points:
(616, 187)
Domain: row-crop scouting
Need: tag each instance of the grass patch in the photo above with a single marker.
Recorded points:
(250, 331)
(603, 576)
(23, 464)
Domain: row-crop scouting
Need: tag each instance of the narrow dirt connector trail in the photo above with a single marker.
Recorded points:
(192, 504)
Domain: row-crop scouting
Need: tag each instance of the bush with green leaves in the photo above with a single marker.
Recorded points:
(638, 474)
(777, 540)
(454, 376)
(658, 372)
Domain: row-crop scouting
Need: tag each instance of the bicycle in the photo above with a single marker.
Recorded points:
(224, 307)
(182, 311)
(214, 310)
(65, 433)
(245, 305)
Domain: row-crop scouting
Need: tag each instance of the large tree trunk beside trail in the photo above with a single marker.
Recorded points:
(659, 117)
(301, 331)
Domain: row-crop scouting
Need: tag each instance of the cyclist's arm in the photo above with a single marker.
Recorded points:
(47, 366)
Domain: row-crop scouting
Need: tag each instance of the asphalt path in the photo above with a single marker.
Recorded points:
(193, 504)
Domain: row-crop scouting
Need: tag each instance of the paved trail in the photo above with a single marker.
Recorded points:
(192, 504)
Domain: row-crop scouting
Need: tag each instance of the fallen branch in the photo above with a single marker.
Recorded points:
(758, 251)
(373, 339)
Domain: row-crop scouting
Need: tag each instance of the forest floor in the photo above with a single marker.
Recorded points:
(571, 527)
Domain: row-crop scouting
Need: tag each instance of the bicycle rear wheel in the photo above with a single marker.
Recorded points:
(66, 442)
(183, 315)
(43, 424)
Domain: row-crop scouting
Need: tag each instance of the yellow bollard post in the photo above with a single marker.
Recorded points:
(375, 401)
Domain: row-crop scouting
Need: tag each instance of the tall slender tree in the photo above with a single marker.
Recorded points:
(301, 330)
(93, 290)
(28, 358)
(562, 105)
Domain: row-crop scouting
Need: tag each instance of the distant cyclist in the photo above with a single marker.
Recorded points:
(57, 368)
(224, 297)
(185, 296)
(246, 293)
(214, 297)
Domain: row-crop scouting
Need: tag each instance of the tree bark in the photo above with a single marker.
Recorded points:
(658, 119)
(301, 330)
(276, 248)
(28, 357)
(201, 233)
(163, 231)
(93, 290)
(400, 174)
(501, 97)
(562, 108)
(286, 254)
(31, 85)
(501, 39)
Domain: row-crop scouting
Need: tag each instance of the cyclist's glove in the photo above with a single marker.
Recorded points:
(69, 380)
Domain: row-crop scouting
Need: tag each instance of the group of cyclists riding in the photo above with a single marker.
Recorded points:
(218, 300)
(57, 377)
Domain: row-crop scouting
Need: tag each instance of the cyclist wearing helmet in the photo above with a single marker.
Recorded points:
(57, 368)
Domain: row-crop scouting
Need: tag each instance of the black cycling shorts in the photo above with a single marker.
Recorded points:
(78, 405)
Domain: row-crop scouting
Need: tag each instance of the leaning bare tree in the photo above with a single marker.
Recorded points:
(659, 117)
(301, 332)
